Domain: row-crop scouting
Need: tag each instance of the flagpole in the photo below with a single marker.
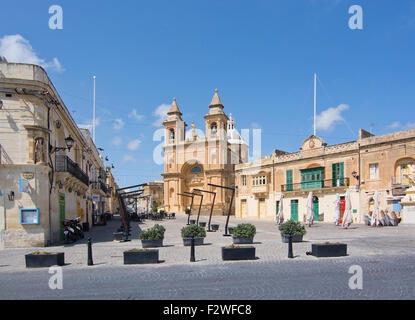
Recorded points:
(93, 114)
(315, 102)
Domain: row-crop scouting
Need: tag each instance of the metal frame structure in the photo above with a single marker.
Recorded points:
(191, 205)
(230, 205)
(211, 209)
(200, 204)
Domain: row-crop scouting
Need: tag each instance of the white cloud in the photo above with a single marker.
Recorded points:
(135, 115)
(88, 125)
(18, 49)
(327, 119)
(161, 114)
(397, 125)
(134, 144)
(128, 158)
(394, 125)
(118, 124)
(116, 141)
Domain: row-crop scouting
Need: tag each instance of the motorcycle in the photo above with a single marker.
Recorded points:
(69, 234)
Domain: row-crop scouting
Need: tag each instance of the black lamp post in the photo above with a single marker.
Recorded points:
(200, 204)
(191, 205)
(211, 208)
(230, 204)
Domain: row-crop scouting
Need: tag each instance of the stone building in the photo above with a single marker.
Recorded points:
(363, 166)
(46, 163)
(195, 158)
(112, 203)
(153, 193)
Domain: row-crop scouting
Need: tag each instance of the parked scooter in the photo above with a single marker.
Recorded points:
(69, 234)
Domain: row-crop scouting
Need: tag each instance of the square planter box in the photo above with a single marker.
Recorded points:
(215, 227)
(329, 250)
(45, 260)
(242, 253)
(202, 224)
(188, 241)
(152, 243)
(296, 238)
(192, 221)
(238, 240)
(141, 257)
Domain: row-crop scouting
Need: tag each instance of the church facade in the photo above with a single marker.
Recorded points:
(195, 159)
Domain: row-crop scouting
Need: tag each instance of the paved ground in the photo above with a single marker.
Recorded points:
(385, 254)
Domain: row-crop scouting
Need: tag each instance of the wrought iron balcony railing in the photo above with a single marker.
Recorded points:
(312, 185)
(100, 186)
(65, 164)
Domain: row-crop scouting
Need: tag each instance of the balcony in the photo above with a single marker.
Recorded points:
(100, 186)
(65, 164)
(316, 185)
(260, 189)
(399, 185)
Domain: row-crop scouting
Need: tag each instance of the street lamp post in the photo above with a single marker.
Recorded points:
(211, 208)
(230, 204)
(200, 204)
(191, 205)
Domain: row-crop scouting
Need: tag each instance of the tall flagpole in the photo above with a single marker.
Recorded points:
(315, 102)
(93, 115)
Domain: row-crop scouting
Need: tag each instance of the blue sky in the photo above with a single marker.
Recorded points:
(261, 55)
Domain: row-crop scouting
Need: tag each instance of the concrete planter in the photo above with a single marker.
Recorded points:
(329, 250)
(202, 224)
(239, 240)
(296, 238)
(188, 241)
(141, 257)
(45, 260)
(242, 253)
(152, 243)
(215, 227)
(192, 221)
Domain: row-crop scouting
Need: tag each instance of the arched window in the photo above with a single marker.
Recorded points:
(171, 135)
(213, 129)
(197, 169)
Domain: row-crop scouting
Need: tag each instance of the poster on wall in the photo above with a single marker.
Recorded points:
(29, 216)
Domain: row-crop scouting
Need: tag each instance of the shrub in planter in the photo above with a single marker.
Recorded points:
(233, 252)
(215, 227)
(141, 256)
(244, 233)
(292, 227)
(152, 237)
(40, 259)
(193, 230)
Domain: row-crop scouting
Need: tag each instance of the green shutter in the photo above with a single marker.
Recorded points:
(341, 173)
(337, 174)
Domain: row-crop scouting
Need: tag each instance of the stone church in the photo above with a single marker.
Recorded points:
(195, 158)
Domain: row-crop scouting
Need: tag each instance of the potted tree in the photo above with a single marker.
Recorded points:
(152, 237)
(40, 259)
(244, 233)
(141, 256)
(233, 252)
(295, 228)
(193, 231)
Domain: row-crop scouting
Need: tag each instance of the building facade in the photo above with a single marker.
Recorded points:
(363, 166)
(196, 158)
(46, 162)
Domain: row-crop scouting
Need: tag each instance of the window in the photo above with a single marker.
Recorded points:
(243, 180)
(171, 135)
(289, 180)
(374, 171)
(338, 174)
(259, 181)
(213, 129)
(197, 169)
